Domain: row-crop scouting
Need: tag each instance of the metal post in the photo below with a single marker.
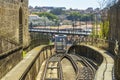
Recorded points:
(92, 28)
(80, 24)
(58, 26)
(96, 33)
(86, 29)
(73, 24)
(96, 26)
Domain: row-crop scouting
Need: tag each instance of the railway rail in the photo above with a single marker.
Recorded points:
(87, 72)
(84, 69)
(53, 69)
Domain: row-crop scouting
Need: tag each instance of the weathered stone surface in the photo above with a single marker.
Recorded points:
(29, 67)
(13, 13)
(114, 34)
(13, 28)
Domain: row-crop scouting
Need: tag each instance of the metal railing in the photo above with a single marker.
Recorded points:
(75, 32)
(38, 39)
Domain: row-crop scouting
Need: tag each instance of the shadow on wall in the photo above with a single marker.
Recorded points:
(86, 52)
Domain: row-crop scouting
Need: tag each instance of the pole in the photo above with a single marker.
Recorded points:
(86, 29)
(96, 26)
(73, 28)
(58, 25)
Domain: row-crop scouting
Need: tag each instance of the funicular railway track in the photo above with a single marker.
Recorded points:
(82, 68)
(86, 71)
(53, 69)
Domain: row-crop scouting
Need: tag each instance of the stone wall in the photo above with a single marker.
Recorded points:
(103, 60)
(5, 45)
(29, 67)
(114, 18)
(14, 33)
(14, 20)
(114, 34)
(87, 52)
(44, 55)
(9, 59)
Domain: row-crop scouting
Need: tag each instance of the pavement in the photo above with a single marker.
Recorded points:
(20, 69)
(105, 70)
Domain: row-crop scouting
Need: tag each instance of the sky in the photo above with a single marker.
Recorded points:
(75, 4)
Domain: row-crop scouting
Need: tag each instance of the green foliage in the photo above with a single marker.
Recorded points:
(87, 17)
(104, 27)
(50, 16)
(77, 16)
(57, 11)
(74, 16)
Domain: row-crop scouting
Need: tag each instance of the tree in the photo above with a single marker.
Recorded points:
(74, 16)
(106, 3)
(77, 16)
(86, 17)
(48, 15)
(104, 28)
(57, 11)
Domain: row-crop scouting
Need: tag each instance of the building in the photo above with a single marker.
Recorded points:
(14, 21)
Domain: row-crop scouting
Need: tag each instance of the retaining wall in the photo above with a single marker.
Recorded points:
(102, 58)
(29, 67)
